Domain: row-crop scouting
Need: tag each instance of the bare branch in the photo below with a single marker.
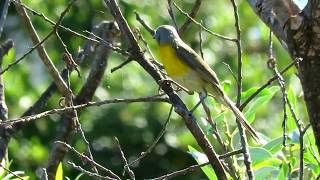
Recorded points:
(88, 173)
(81, 106)
(5, 5)
(203, 27)
(193, 14)
(126, 165)
(154, 143)
(86, 159)
(180, 107)
(243, 138)
(41, 50)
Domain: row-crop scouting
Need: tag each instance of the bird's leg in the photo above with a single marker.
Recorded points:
(203, 96)
(180, 87)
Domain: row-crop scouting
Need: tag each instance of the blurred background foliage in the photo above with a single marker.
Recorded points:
(136, 125)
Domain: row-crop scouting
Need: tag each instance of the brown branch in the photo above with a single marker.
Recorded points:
(81, 106)
(107, 31)
(243, 138)
(202, 26)
(154, 143)
(144, 24)
(41, 50)
(4, 4)
(4, 137)
(193, 14)
(180, 107)
(268, 83)
(88, 173)
(86, 159)
(126, 165)
(170, 11)
(194, 167)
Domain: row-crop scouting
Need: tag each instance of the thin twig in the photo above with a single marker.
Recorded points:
(126, 165)
(4, 11)
(243, 138)
(214, 129)
(181, 172)
(154, 143)
(170, 11)
(88, 173)
(99, 41)
(200, 42)
(268, 83)
(70, 64)
(121, 65)
(193, 14)
(86, 159)
(144, 24)
(179, 106)
(232, 153)
(273, 66)
(41, 50)
(193, 167)
(204, 28)
(11, 172)
(158, 66)
(81, 106)
(230, 70)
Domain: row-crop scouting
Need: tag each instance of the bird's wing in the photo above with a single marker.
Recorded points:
(192, 59)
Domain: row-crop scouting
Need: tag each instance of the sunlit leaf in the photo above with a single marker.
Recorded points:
(202, 158)
(59, 172)
(291, 124)
(274, 145)
(262, 98)
(258, 155)
(284, 171)
(267, 172)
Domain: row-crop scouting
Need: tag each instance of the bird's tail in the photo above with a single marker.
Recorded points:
(241, 118)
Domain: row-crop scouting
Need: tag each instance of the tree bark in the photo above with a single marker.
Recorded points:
(299, 32)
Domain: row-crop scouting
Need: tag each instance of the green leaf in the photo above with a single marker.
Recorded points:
(311, 161)
(259, 155)
(262, 98)
(59, 172)
(268, 172)
(284, 171)
(291, 125)
(274, 162)
(202, 158)
(274, 146)
(10, 56)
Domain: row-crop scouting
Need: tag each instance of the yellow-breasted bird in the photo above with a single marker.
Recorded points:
(188, 69)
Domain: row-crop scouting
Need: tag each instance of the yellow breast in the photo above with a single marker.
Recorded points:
(172, 64)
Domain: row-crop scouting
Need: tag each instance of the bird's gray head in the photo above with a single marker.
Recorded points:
(166, 34)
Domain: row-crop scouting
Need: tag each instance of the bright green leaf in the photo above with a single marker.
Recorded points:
(274, 145)
(202, 158)
(284, 171)
(262, 98)
(59, 172)
(291, 124)
(267, 172)
(259, 155)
